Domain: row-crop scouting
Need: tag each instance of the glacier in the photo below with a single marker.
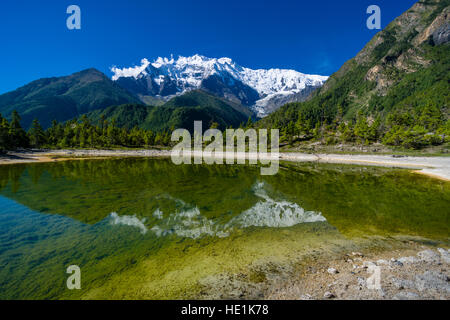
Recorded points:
(262, 90)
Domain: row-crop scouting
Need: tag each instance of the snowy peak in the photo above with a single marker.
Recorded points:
(134, 72)
(262, 90)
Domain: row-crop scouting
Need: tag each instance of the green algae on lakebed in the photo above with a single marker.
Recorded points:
(145, 228)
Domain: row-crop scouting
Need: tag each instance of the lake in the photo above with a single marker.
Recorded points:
(146, 228)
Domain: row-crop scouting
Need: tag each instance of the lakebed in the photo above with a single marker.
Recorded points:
(144, 228)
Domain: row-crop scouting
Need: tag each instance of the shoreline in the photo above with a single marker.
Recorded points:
(414, 272)
(434, 167)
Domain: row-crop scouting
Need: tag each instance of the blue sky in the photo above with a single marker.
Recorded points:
(314, 37)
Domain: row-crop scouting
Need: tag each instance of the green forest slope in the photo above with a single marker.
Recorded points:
(395, 91)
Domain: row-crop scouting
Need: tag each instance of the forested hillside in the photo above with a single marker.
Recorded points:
(127, 125)
(179, 112)
(395, 91)
(63, 98)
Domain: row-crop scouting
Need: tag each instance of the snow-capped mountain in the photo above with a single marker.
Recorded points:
(262, 90)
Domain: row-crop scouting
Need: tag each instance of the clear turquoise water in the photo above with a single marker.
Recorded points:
(145, 228)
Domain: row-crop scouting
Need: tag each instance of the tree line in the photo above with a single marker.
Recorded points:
(77, 133)
(411, 129)
(83, 133)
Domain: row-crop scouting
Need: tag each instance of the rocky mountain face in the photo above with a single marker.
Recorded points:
(397, 50)
(263, 91)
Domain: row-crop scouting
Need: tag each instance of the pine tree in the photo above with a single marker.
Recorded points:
(361, 128)
(158, 139)
(111, 133)
(316, 131)
(149, 138)
(300, 127)
(214, 125)
(37, 135)
(374, 129)
(4, 134)
(249, 123)
(17, 135)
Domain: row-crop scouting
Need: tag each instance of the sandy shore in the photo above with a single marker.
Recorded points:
(436, 167)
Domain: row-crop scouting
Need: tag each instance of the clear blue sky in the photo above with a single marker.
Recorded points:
(314, 37)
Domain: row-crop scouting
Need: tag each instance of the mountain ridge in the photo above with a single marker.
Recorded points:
(63, 98)
(179, 112)
(262, 90)
(395, 90)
